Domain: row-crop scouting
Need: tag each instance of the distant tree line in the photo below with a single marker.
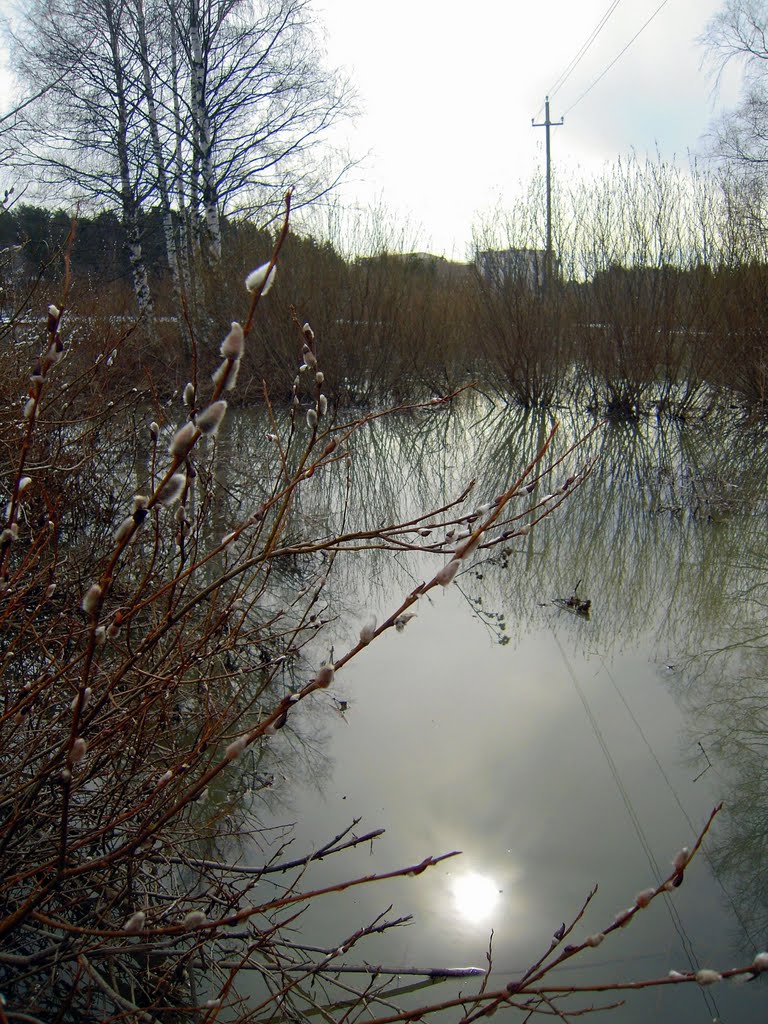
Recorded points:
(661, 303)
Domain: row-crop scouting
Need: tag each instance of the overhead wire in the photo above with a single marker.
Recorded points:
(618, 57)
(677, 922)
(566, 73)
(683, 810)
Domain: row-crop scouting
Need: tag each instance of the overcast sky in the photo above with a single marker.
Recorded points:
(448, 91)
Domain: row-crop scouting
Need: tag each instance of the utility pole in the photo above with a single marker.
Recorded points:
(547, 124)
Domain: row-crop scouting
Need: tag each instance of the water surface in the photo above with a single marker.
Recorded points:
(555, 751)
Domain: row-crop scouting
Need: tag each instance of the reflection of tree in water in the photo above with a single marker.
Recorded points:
(667, 539)
(723, 682)
(666, 535)
(653, 537)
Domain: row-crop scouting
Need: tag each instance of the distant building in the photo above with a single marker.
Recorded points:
(522, 266)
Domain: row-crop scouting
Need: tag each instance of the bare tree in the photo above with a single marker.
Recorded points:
(738, 34)
(85, 138)
(258, 102)
(200, 108)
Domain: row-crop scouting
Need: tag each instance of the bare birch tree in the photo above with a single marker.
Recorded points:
(198, 108)
(738, 34)
(85, 140)
(258, 102)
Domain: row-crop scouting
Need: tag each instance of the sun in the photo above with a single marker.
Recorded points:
(475, 896)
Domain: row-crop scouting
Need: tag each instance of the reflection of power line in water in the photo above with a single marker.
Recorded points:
(681, 805)
(677, 921)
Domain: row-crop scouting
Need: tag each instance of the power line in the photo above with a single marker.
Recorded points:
(618, 56)
(575, 61)
(677, 921)
(565, 74)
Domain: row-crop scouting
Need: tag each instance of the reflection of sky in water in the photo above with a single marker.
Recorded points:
(554, 762)
(451, 742)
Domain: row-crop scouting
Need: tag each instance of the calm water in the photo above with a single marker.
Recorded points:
(555, 751)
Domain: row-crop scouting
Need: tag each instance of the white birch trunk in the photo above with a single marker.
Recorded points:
(169, 232)
(127, 195)
(203, 141)
(185, 240)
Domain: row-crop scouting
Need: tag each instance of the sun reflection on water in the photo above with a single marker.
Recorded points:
(475, 896)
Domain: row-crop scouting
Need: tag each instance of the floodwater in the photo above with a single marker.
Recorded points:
(556, 751)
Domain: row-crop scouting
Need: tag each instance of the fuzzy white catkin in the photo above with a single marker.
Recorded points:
(236, 747)
(368, 631)
(171, 492)
(681, 859)
(325, 676)
(78, 751)
(84, 702)
(91, 599)
(194, 919)
(208, 421)
(707, 977)
(24, 483)
(760, 963)
(124, 529)
(311, 419)
(644, 898)
(623, 917)
(234, 343)
(54, 311)
(226, 375)
(135, 922)
(448, 572)
(322, 405)
(257, 279)
(183, 440)
(469, 548)
(189, 395)
(594, 940)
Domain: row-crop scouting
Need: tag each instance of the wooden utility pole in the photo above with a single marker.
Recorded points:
(547, 124)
